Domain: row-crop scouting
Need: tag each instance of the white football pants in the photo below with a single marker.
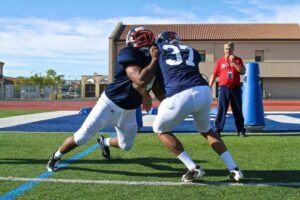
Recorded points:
(107, 114)
(173, 110)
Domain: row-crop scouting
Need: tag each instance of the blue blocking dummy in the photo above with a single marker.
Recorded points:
(253, 110)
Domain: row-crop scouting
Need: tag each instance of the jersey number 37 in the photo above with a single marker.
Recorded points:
(177, 52)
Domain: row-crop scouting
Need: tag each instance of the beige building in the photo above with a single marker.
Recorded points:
(93, 86)
(276, 47)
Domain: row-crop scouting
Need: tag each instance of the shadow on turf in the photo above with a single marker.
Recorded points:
(162, 164)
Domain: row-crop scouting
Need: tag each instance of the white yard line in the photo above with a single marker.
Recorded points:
(24, 119)
(110, 182)
(283, 119)
(282, 112)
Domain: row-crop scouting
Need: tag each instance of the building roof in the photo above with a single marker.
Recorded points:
(222, 31)
(9, 78)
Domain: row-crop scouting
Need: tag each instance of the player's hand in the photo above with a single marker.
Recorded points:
(147, 102)
(154, 52)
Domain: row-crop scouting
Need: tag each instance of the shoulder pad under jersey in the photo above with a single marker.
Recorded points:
(128, 55)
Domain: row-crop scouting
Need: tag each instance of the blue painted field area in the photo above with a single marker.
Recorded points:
(275, 122)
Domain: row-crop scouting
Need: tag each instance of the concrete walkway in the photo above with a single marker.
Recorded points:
(70, 121)
(25, 119)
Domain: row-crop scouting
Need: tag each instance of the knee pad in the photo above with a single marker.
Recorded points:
(155, 129)
(82, 137)
(126, 137)
(126, 146)
(158, 128)
(87, 131)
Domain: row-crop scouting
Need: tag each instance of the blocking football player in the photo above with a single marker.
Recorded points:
(135, 68)
(187, 92)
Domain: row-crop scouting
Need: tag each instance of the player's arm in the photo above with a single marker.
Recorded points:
(147, 99)
(157, 87)
(238, 64)
(158, 90)
(142, 76)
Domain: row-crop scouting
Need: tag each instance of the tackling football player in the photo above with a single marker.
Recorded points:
(187, 93)
(135, 68)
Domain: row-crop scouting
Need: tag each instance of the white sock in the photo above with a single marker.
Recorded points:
(226, 157)
(106, 142)
(58, 154)
(186, 159)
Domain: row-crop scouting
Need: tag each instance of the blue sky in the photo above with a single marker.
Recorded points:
(71, 36)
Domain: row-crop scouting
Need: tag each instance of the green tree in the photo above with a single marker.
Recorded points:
(36, 80)
(51, 78)
(19, 81)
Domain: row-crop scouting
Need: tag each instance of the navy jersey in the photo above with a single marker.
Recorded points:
(121, 91)
(179, 67)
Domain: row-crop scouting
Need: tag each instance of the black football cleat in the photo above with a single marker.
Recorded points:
(105, 150)
(52, 164)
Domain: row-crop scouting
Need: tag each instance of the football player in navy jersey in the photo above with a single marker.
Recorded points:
(136, 66)
(187, 93)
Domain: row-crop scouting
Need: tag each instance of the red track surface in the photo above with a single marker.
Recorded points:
(46, 105)
(269, 105)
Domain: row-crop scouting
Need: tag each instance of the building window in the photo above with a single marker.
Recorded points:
(203, 55)
(259, 56)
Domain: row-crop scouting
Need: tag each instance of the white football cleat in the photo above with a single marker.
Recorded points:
(236, 175)
(189, 176)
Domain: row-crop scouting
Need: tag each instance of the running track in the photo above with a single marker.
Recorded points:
(269, 105)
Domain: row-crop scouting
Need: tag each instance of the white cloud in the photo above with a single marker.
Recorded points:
(261, 12)
(80, 45)
(287, 13)
(39, 43)
(153, 20)
(28, 35)
(32, 43)
(183, 16)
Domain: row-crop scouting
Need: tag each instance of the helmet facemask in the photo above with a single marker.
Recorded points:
(139, 38)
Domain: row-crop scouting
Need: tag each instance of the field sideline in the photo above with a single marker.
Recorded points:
(270, 165)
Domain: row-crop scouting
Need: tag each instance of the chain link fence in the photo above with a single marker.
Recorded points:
(42, 92)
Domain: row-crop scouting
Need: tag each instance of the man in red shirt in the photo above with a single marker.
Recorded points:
(229, 68)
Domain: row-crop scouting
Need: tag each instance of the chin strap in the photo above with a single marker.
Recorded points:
(145, 50)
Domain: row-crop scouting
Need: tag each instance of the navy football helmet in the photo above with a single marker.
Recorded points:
(140, 37)
(167, 37)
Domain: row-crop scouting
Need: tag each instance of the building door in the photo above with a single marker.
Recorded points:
(90, 90)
